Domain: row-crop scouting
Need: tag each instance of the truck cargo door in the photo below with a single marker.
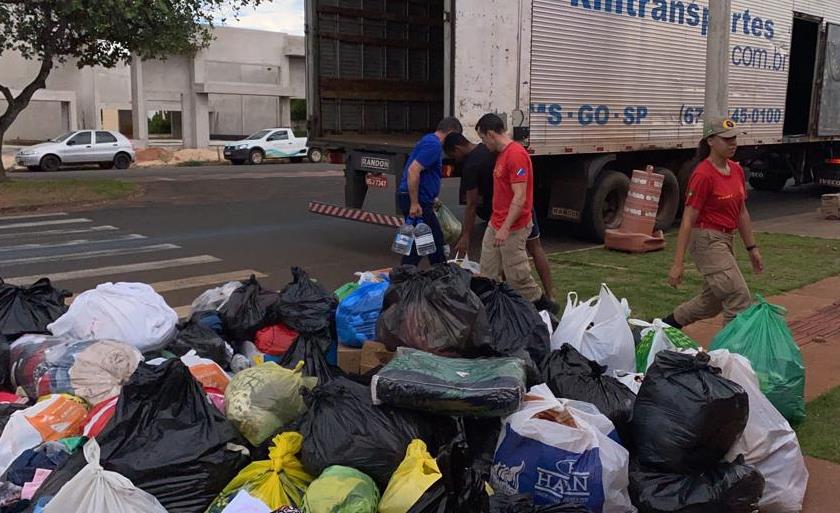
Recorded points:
(829, 115)
(491, 38)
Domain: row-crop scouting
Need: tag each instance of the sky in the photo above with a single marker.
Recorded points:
(276, 15)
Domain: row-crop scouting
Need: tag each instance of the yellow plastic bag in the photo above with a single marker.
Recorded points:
(415, 475)
(261, 400)
(341, 490)
(279, 481)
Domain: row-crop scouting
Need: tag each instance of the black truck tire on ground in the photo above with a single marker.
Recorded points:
(122, 161)
(669, 200)
(605, 204)
(256, 157)
(50, 163)
(315, 155)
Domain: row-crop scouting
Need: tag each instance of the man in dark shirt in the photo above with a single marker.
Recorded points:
(477, 163)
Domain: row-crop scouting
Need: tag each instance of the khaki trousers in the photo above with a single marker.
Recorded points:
(724, 288)
(510, 260)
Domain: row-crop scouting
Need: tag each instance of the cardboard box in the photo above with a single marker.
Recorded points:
(374, 355)
(349, 359)
(832, 213)
(831, 201)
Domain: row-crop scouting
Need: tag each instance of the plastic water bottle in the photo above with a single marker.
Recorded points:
(404, 240)
(424, 239)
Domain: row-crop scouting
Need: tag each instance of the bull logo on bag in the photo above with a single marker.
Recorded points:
(564, 482)
(505, 479)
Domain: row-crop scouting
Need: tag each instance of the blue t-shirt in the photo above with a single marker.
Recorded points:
(429, 153)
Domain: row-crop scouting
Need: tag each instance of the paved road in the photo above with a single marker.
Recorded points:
(189, 173)
(199, 227)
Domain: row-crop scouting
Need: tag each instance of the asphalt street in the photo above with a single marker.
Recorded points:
(200, 226)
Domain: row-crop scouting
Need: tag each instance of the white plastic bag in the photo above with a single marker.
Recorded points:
(96, 490)
(631, 380)
(768, 442)
(566, 459)
(545, 315)
(244, 503)
(213, 299)
(656, 337)
(53, 418)
(466, 263)
(598, 329)
(126, 312)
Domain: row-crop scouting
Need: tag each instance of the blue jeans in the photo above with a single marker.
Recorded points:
(430, 219)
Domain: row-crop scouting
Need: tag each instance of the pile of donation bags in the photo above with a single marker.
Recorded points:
(418, 391)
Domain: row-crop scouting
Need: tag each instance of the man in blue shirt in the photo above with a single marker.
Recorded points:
(420, 186)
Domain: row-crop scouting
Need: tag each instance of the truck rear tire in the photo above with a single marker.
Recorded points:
(669, 200)
(605, 204)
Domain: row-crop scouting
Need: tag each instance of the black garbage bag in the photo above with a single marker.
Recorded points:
(724, 488)
(434, 311)
(342, 427)
(166, 438)
(571, 375)
(686, 415)
(310, 348)
(193, 335)
(6, 411)
(461, 488)
(515, 324)
(30, 309)
(5, 364)
(305, 305)
(249, 308)
(482, 436)
(501, 503)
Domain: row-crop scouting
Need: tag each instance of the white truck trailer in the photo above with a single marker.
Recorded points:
(593, 89)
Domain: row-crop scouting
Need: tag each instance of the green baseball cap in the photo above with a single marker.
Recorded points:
(721, 127)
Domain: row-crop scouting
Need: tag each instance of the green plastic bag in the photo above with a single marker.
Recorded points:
(762, 336)
(341, 490)
(659, 337)
(345, 290)
(449, 223)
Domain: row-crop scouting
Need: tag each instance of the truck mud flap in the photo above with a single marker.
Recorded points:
(355, 214)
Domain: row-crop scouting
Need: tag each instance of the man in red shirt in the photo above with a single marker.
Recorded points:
(503, 250)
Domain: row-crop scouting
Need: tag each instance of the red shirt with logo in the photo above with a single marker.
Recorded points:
(716, 196)
(513, 165)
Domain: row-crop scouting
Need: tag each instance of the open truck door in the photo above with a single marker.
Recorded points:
(829, 112)
(491, 54)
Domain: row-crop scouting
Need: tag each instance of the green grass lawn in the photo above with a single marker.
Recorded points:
(790, 262)
(818, 435)
(43, 193)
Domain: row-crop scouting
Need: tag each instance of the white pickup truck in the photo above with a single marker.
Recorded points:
(271, 143)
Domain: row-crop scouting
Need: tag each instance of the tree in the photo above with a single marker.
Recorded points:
(100, 33)
(160, 123)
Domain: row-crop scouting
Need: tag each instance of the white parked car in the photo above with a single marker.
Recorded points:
(107, 148)
(271, 143)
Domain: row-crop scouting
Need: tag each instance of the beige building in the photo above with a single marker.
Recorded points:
(243, 82)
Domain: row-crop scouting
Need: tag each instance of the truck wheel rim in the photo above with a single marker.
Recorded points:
(613, 209)
(316, 156)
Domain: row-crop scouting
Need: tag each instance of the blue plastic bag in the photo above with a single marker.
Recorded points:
(357, 315)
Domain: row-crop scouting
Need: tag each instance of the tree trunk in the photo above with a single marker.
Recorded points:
(16, 105)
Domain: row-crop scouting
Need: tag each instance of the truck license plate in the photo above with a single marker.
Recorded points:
(376, 180)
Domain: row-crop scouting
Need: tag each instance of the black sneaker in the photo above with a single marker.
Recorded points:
(544, 303)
